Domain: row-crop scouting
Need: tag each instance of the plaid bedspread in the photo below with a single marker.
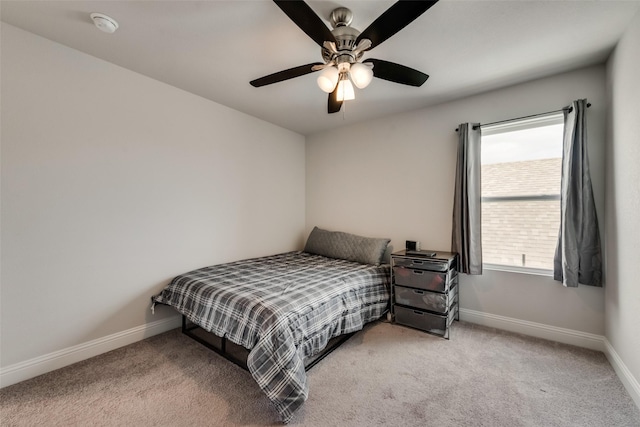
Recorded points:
(282, 308)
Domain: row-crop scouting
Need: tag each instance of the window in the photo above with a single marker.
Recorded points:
(521, 169)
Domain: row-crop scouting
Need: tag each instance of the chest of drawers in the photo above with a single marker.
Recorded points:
(424, 291)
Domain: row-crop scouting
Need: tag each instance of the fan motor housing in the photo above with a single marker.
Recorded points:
(345, 43)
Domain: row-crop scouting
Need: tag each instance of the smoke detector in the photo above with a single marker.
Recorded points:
(104, 23)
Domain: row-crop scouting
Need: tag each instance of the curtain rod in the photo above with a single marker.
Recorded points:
(570, 109)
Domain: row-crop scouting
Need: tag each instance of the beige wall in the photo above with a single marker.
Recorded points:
(394, 177)
(112, 183)
(622, 300)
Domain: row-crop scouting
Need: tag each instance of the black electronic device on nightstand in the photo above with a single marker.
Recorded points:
(412, 245)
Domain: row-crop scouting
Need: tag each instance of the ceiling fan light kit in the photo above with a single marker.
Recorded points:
(328, 79)
(345, 90)
(342, 49)
(361, 74)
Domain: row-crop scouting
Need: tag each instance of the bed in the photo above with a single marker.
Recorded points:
(285, 308)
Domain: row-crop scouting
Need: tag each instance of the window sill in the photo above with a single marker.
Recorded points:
(521, 270)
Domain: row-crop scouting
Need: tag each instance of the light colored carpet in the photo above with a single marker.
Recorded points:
(384, 375)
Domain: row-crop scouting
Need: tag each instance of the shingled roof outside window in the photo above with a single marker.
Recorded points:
(517, 232)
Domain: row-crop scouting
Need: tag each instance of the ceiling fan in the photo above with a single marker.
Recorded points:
(344, 46)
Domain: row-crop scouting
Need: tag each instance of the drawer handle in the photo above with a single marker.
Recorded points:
(418, 262)
(418, 272)
(417, 312)
(415, 291)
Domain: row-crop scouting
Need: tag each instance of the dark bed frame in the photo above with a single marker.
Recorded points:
(238, 354)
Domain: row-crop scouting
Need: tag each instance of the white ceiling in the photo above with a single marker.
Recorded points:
(214, 48)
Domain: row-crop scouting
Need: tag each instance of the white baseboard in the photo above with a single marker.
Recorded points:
(31, 368)
(625, 375)
(566, 336)
(538, 330)
(41, 365)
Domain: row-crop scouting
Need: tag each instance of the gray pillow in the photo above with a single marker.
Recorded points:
(336, 244)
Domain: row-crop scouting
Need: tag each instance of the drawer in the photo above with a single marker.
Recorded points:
(429, 322)
(423, 279)
(425, 264)
(425, 300)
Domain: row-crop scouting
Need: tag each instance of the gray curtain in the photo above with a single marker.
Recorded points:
(466, 236)
(578, 256)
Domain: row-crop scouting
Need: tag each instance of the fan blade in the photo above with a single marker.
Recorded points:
(393, 20)
(333, 106)
(397, 73)
(285, 74)
(305, 18)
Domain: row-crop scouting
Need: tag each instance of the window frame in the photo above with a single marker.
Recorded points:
(542, 120)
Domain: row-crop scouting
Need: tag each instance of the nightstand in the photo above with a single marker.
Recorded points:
(424, 291)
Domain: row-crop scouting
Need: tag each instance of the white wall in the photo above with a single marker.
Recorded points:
(394, 177)
(622, 299)
(112, 183)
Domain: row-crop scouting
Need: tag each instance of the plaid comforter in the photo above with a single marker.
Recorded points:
(282, 308)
